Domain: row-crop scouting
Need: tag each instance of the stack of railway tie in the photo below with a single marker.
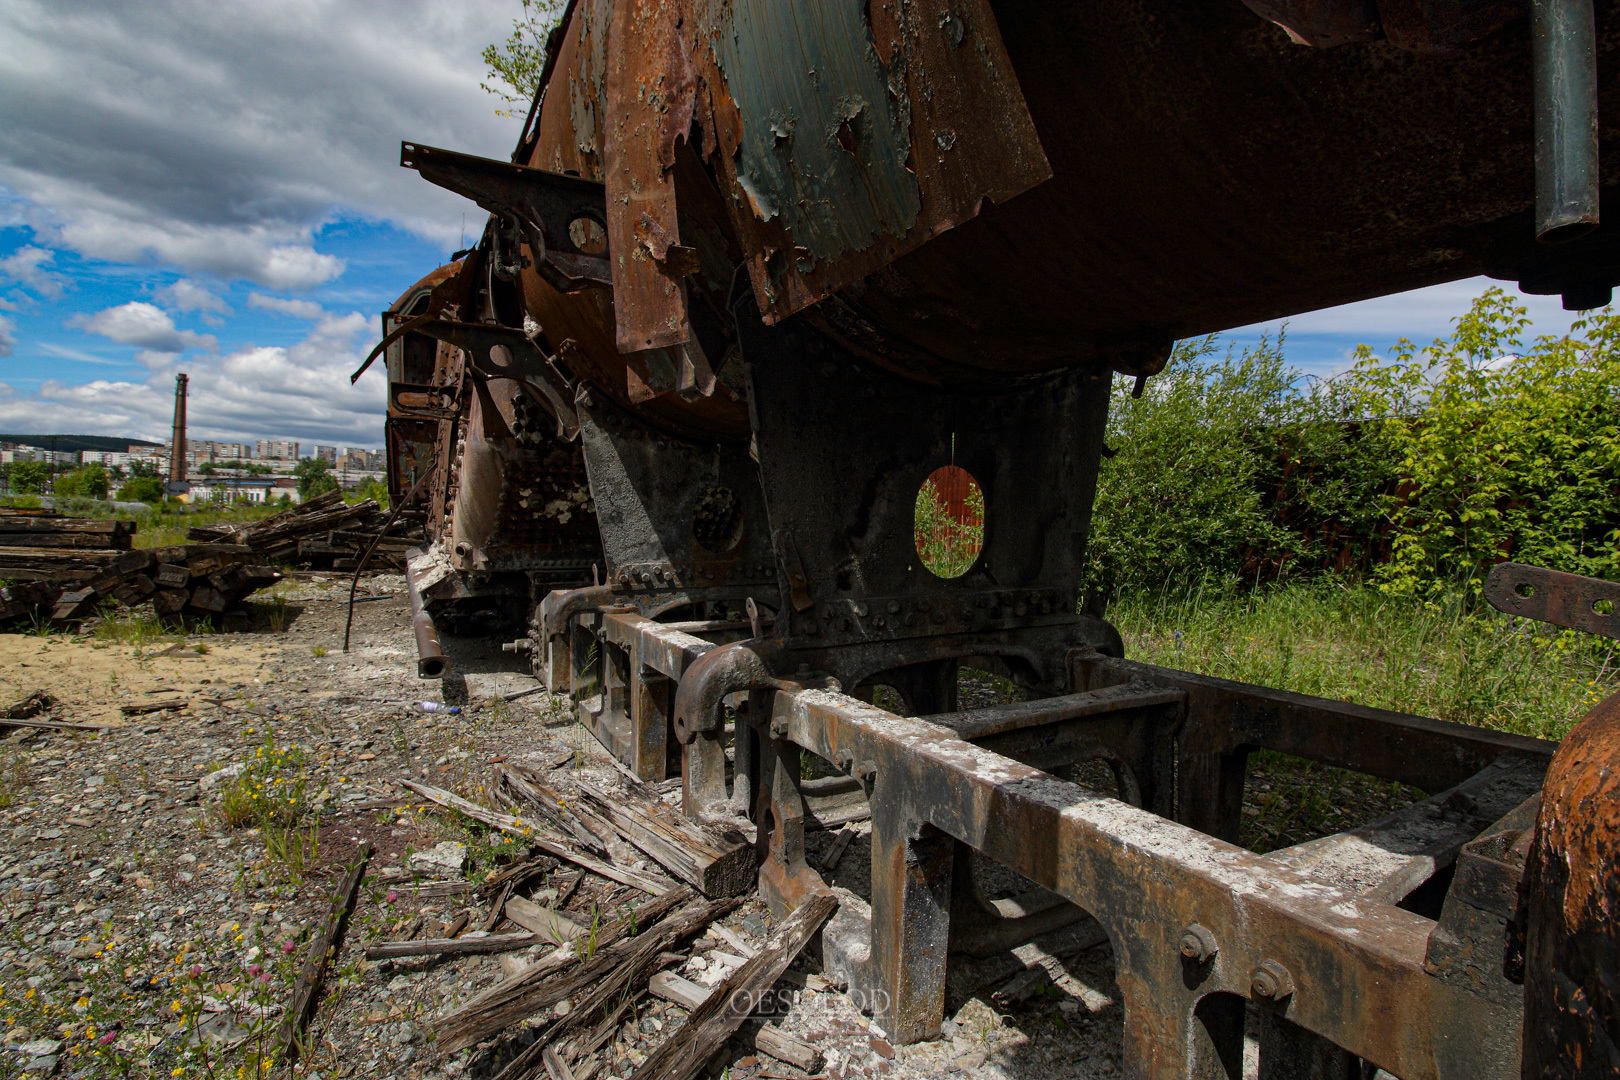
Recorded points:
(707, 873)
(64, 569)
(323, 532)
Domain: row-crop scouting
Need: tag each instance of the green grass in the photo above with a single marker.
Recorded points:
(1469, 664)
(163, 529)
(1347, 641)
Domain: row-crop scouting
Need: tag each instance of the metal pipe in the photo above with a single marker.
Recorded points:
(431, 663)
(1564, 65)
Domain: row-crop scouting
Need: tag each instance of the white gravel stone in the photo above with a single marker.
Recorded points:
(444, 860)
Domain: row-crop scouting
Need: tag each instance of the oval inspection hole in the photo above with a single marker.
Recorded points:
(949, 521)
(587, 235)
(1525, 589)
(1603, 607)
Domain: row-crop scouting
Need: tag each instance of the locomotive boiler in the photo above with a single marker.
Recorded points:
(757, 270)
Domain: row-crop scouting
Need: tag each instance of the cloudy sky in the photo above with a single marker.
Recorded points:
(213, 187)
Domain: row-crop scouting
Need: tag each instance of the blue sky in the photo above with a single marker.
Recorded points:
(213, 187)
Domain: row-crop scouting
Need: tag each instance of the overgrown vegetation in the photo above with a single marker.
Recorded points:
(1420, 470)
(949, 542)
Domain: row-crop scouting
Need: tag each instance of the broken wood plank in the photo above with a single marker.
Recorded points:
(554, 845)
(477, 944)
(766, 1039)
(322, 951)
(835, 853)
(527, 785)
(715, 865)
(32, 705)
(611, 975)
(142, 708)
(616, 966)
(552, 927)
(685, 1051)
(58, 725)
(558, 960)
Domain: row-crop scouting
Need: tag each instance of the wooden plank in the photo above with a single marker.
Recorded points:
(322, 951)
(554, 845)
(527, 785)
(766, 1039)
(552, 927)
(714, 865)
(509, 1002)
(107, 526)
(595, 984)
(835, 854)
(685, 1051)
(467, 945)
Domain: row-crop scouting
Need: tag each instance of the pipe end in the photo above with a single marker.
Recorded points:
(432, 667)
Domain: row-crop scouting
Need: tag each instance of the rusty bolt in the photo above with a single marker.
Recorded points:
(844, 759)
(865, 771)
(779, 727)
(1197, 943)
(1270, 981)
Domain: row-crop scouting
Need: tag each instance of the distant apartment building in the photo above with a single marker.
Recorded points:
(328, 452)
(201, 452)
(110, 459)
(356, 459)
(276, 448)
(16, 452)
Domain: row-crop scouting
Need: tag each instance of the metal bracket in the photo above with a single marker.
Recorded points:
(549, 206)
(1550, 596)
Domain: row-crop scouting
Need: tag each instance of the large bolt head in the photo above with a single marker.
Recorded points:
(1270, 981)
(1198, 944)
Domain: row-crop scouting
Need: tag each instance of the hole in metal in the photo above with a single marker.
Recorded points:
(949, 521)
(587, 235)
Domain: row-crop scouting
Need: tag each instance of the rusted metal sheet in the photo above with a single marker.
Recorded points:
(650, 94)
(1551, 596)
(1570, 908)
(847, 143)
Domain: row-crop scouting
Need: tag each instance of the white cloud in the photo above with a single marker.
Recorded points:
(301, 391)
(298, 309)
(142, 324)
(27, 265)
(8, 340)
(51, 349)
(217, 136)
(188, 295)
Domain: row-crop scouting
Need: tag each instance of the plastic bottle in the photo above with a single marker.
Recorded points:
(434, 706)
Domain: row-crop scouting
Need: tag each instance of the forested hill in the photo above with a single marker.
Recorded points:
(72, 443)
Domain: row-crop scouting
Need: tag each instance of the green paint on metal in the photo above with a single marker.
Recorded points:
(826, 129)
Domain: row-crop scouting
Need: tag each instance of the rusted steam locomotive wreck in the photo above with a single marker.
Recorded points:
(758, 268)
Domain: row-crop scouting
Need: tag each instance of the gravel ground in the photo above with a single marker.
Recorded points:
(127, 892)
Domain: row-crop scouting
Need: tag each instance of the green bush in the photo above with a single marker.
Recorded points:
(1203, 461)
(314, 477)
(146, 489)
(29, 478)
(88, 481)
(371, 488)
(1424, 468)
(1501, 451)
